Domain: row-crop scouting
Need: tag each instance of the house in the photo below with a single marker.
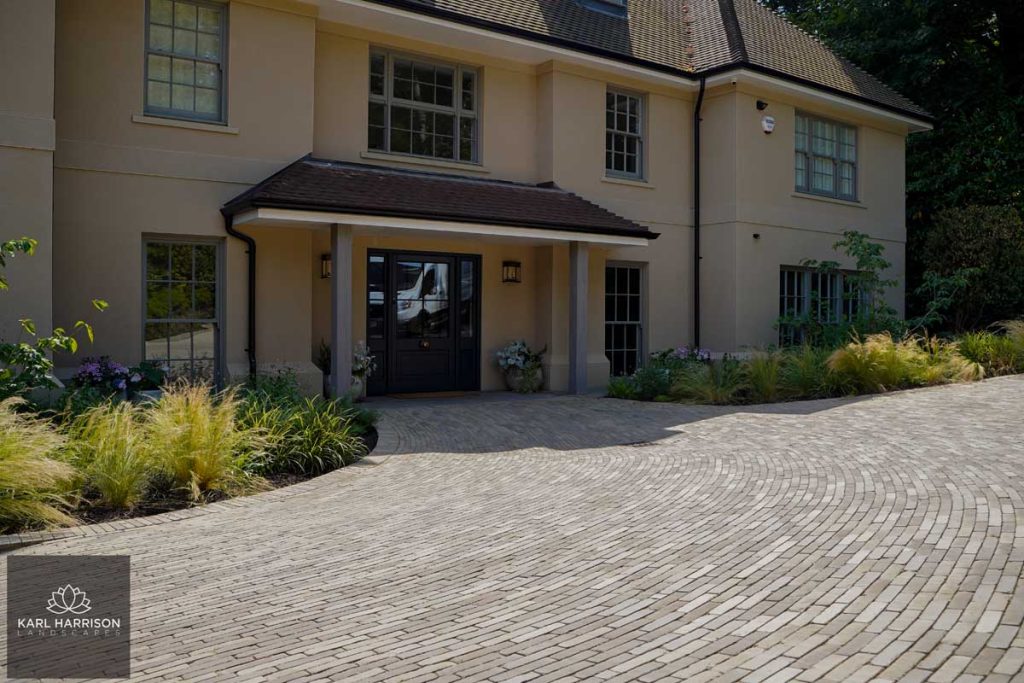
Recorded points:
(244, 180)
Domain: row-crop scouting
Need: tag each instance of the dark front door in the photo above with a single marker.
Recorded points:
(430, 340)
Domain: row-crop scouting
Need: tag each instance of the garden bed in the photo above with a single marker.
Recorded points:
(94, 512)
(876, 364)
(107, 459)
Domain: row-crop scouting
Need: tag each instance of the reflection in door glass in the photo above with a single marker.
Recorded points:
(375, 326)
(466, 312)
(421, 300)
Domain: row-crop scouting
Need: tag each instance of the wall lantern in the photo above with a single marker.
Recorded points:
(325, 266)
(511, 271)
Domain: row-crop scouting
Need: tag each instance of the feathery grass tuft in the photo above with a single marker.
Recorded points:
(109, 446)
(34, 483)
(194, 440)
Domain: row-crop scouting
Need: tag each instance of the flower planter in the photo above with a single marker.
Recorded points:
(148, 395)
(525, 380)
(358, 387)
(357, 390)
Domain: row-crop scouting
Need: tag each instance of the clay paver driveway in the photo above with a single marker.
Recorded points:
(583, 539)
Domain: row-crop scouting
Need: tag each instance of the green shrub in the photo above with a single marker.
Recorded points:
(281, 388)
(311, 438)
(34, 483)
(805, 375)
(763, 372)
(195, 440)
(999, 354)
(622, 387)
(77, 401)
(718, 382)
(108, 446)
(652, 381)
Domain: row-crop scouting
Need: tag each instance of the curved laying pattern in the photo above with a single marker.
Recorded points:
(572, 538)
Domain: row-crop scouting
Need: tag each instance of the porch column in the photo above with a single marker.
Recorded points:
(341, 309)
(579, 256)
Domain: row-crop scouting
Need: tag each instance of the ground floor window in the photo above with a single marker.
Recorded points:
(623, 315)
(181, 323)
(805, 295)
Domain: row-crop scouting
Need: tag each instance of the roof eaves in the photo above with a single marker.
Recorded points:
(922, 116)
(259, 203)
(736, 42)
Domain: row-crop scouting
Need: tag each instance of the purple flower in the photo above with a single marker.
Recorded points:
(120, 384)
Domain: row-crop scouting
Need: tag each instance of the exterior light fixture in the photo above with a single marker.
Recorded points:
(325, 266)
(511, 271)
(761, 105)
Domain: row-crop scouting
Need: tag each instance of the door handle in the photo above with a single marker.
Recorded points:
(424, 344)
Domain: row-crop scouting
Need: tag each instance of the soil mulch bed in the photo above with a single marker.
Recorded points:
(170, 501)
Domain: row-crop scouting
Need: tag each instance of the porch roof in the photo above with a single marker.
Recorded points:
(337, 187)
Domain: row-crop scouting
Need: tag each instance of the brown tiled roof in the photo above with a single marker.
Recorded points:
(336, 186)
(685, 37)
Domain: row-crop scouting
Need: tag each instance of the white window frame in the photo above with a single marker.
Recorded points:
(838, 155)
(612, 132)
(221, 116)
(797, 286)
(388, 100)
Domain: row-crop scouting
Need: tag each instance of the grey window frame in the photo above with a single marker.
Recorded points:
(388, 99)
(641, 324)
(218, 319)
(221, 118)
(836, 158)
(843, 308)
(640, 136)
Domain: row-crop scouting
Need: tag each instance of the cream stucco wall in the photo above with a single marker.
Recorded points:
(26, 159)
(117, 179)
(297, 84)
(748, 189)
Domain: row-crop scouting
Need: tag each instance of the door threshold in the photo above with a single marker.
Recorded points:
(435, 394)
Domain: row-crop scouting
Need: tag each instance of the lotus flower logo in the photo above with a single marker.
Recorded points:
(68, 599)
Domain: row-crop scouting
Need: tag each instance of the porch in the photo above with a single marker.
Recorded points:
(435, 272)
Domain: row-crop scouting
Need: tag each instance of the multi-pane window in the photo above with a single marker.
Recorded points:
(624, 135)
(181, 324)
(623, 315)
(185, 54)
(423, 108)
(826, 157)
(828, 298)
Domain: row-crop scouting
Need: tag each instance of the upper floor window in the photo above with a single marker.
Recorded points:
(826, 157)
(624, 135)
(423, 108)
(185, 55)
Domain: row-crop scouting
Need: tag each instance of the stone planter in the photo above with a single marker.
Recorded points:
(358, 387)
(148, 395)
(525, 381)
(357, 391)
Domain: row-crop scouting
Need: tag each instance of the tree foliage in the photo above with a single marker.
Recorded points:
(963, 62)
(26, 365)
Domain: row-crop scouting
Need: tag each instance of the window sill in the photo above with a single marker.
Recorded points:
(829, 200)
(181, 123)
(642, 184)
(423, 161)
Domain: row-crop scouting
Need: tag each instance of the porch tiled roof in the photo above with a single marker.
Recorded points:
(687, 37)
(341, 187)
